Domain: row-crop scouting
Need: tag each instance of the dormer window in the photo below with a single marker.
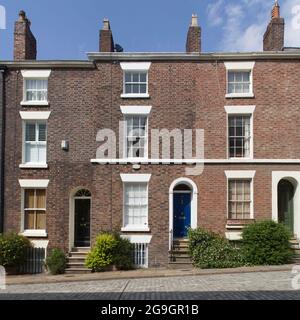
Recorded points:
(135, 80)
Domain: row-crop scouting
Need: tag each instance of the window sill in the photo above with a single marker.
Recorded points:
(33, 166)
(135, 229)
(35, 103)
(140, 96)
(240, 159)
(35, 233)
(239, 95)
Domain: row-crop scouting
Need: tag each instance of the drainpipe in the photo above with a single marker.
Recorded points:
(2, 143)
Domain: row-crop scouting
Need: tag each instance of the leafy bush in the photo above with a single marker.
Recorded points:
(123, 254)
(209, 250)
(13, 249)
(56, 262)
(266, 243)
(110, 250)
(102, 253)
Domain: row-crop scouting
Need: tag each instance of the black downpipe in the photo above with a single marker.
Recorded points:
(2, 145)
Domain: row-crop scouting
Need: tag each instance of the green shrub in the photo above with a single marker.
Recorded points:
(56, 262)
(13, 249)
(110, 250)
(102, 253)
(209, 250)
(123, 254)
(266, 243)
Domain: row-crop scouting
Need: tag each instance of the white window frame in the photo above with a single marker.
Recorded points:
(36, 116)
(130, 179)
(240, 67)
(240, 111)
(135, 67)
(138, 111)
(34, 75)
(31, 184)
(241, 175)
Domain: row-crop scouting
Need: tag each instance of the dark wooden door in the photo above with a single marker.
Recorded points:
(82, 222)
(286, 204)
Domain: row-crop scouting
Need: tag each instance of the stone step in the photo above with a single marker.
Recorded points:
(78, 255)
(76, 259)
(81, 250)
(179, 254)
(76, 264)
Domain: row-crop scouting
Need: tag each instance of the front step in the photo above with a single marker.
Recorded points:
(76, 261)
(296, 248)
(179, 257)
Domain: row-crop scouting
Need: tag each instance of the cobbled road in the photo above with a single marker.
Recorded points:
(245, 286)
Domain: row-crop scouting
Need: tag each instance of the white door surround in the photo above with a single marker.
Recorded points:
(294, 178)
(194, 204)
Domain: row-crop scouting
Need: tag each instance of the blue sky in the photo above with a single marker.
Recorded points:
(67, 29)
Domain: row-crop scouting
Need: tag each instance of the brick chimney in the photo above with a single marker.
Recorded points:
(106, 38)
(274, 35)
(24, 40)
(193, 41)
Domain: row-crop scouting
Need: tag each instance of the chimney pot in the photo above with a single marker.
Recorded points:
(275, 11)
(194, 21)
(106, 24)
(22, 15)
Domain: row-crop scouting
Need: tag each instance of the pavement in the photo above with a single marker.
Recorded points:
(137, 274)
(258, 283)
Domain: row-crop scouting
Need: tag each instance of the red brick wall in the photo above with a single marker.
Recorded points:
(184, 95)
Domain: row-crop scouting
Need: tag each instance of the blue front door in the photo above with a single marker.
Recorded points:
(182, 214)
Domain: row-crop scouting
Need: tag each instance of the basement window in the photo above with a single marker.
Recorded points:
(140, 255)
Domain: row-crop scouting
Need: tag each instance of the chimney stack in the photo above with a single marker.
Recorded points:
(106, 38)
(193, 42)
(274, 35)
(24, 40)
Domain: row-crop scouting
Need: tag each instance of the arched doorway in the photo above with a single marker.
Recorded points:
(82, 216)
(183, 204)
(286, 192)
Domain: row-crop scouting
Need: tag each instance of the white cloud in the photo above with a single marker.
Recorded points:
(243, 23)
(292, 19)
(214, 12)
(238, 35)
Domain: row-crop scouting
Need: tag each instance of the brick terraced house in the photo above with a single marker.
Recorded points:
(58, 192)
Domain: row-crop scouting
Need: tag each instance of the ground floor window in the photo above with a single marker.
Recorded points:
(35, 209)
(239, 199)
(136, 205)
(141, 255)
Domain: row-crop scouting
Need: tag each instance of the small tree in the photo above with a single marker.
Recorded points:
(266, 243)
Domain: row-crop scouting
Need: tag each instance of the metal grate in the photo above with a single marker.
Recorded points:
(141, 255)
(35, 258)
